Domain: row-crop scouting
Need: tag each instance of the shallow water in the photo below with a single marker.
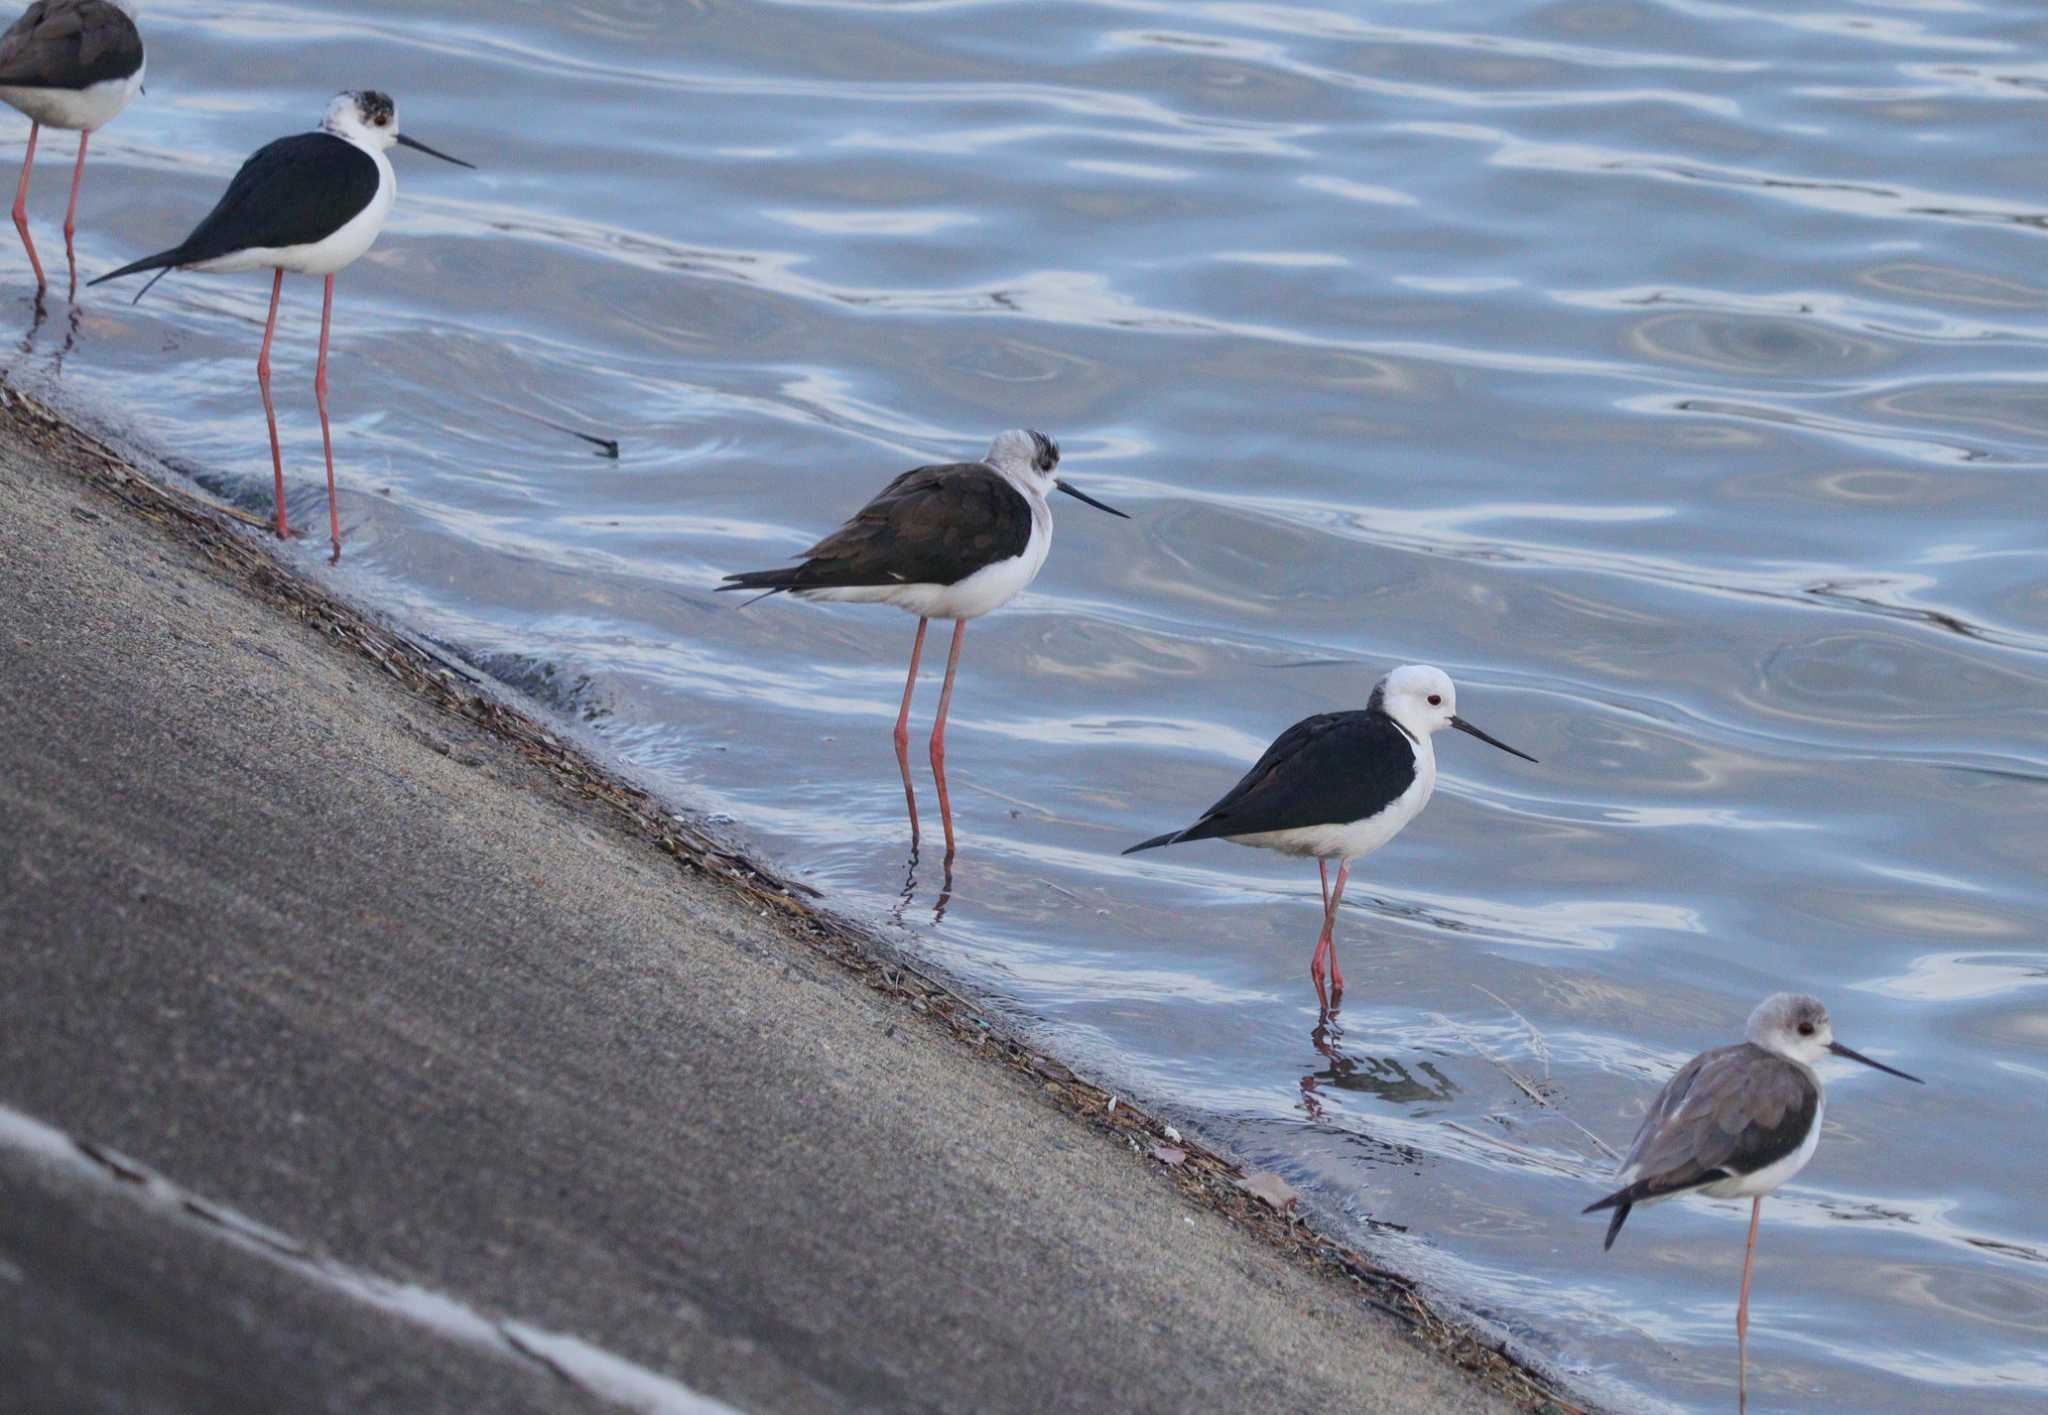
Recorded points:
(1669, 373)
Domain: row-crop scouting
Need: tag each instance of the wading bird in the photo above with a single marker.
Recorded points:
(1735, 1123)
(310, 203)
(1340, 785)
(71, 64)
(943, 542)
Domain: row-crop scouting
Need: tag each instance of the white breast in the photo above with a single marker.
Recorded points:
(990, 587)
(1348, 840)
(87, 109)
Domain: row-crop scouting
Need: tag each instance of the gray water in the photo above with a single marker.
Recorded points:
(1675, 375)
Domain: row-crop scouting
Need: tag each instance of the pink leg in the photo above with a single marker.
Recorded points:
(1323, 874)
(71, 211)
(939, 735)
(320, 397)
(1316, 970)
(903, 731)
(1330, 934)
(270, 409)
(1756, 1210)
(21, 206)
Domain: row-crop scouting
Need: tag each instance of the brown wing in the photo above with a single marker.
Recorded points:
(69, 44)
(1729, 1111)
(933, 525)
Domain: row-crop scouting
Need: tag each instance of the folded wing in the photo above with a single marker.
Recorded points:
(1330, 769)
(932, 525)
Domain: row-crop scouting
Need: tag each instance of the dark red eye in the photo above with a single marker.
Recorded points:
(1436, 699)
(1806, 1029)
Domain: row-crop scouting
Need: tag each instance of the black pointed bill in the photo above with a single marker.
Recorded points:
(417, 146)
(1068, 488)
(1839, 1050)
(1470, 730)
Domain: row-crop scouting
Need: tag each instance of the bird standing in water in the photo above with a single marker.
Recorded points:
(310, 203)
(71, 64)
(951, 541)
(1340, 785)
(1736, 1123)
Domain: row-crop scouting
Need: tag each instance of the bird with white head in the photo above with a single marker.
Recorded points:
(311, 204)
(952, 540)
(1340, 785)
(1736, 1122)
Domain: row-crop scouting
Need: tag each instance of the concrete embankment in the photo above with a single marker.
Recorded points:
(364, 1047)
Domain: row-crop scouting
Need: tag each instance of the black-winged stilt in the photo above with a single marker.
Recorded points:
(952, 541)
(310, 203)
(71, 64)
(1340, 785)
(1735, 1123)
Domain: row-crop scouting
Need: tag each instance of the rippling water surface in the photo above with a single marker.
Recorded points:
(1674, 374)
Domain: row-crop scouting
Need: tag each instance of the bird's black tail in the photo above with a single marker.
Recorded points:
(767, 581)
(1621, 1201)
(161, 260)
(1156, 841)
(163, 263)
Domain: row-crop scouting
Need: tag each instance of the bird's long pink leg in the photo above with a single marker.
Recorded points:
(320, 397)
(270, 409)
(71, 211)
(21, 205)
(939, 734)
(1330, 932)
(1756, 1210)
(903, 730)
(1316, 972)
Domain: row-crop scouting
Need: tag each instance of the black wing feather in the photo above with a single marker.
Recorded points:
(69, 46)
(931, 526)
(1330, 769)
(293, 192)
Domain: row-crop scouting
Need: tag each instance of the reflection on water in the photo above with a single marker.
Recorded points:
(1669, 373)
(1386, 1079)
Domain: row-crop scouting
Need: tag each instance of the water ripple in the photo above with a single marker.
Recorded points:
(1668, 371)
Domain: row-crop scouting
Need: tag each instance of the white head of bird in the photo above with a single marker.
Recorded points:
(1029, 459)
(363, 116)
(1420, 698)
(1796, 1027)
(1423, 700)
(369, 119)
(1793, 1026)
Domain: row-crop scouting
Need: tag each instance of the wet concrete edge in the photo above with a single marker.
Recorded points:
(229, 541)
